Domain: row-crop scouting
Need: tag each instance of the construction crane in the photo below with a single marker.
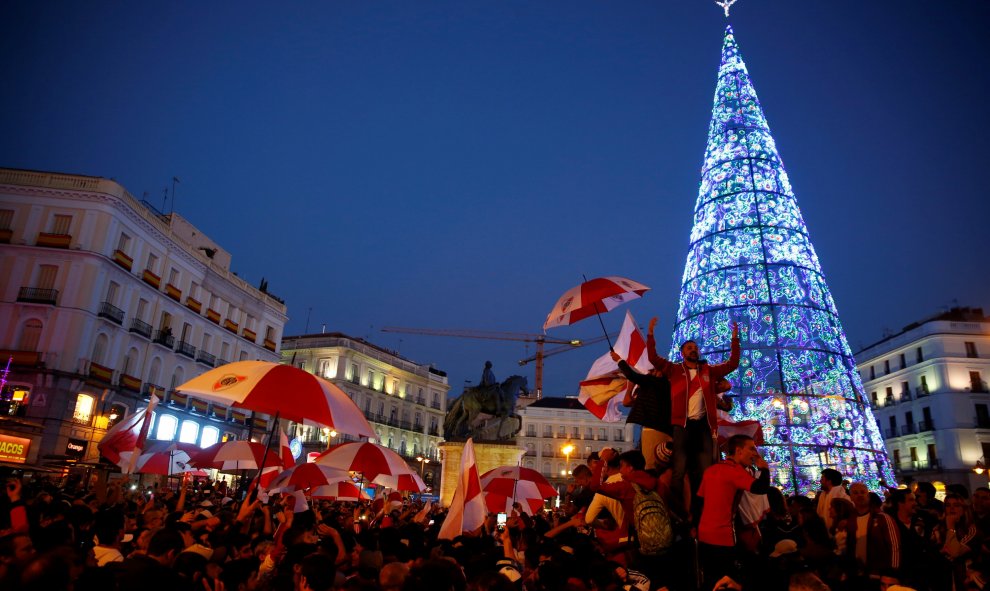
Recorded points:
(523, 337)
(564, 349)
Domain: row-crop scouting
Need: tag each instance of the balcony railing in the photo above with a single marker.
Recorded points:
(186, 349)
(907, 429)
(213, 316)
(37, 295)
(270, 344)
(129, 382)
(206, 358)
(905, 395)
(194, 304)
(111, 312)
(141, 327)
(921, 465)
(230, 325)
(250, 335)
(100, 373)
(173, 292)
(925, 426)
(435, 431)
(122, 259)
(54, 240)
(888, 400)
(164, 337)
(890, 433)
(151, 279)
(435, 404)
(921, 391)
(978, 387)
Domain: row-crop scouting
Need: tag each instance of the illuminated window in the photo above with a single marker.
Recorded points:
(210, 436)
(83, 412)
(189, 432)
(165, 429)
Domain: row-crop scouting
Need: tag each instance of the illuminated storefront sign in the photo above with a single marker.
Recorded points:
(14, 449)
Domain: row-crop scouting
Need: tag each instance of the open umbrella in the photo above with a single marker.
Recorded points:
(161, 457)
(341, 490)
(407, 482)
(282, 391)
(307, 476)
(507, 484)
(235, 455)
(369, 459)
(593, 297)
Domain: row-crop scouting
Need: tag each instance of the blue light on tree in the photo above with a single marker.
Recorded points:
(751, 260)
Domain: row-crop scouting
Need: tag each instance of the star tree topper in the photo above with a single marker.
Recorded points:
(726, 4)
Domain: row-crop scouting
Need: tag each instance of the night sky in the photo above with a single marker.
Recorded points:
(462, 164)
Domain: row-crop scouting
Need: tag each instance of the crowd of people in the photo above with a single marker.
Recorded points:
(681, 513)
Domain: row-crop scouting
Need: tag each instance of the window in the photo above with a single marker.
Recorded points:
(889, 398)
(603, 434)
(562, 431)
(100, 348)
(166, 427)
(367, 405)
(83, 411)
(30, 335)
(194, 290)
(547, 431)
(173, 277)
(982, 416)
(905, 391)
(152, 262)
(189, 432)
(225, 352)
(619, 435)
(6, 218)
(166, 322)
(46, 277)
(270, 333)
(206, 343)
(589, 433)
(893, 427)
(971, 350)
(530, 430)
(897, 458)
(873, 373)
(903, 361)
(60, 224)
(210, 436)
(123, 242)
(886, 366)
(873, 396)
(371, 379)
(112, 290)
(918, 355)
(909, 421)
(914, 454)
(932, 456)
(576, 432)
(976, 382)
(924, 385)
(142, 309)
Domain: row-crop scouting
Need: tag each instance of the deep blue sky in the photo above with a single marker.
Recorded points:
(461, 164)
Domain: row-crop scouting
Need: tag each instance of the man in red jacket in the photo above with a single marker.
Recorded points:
(694, 406)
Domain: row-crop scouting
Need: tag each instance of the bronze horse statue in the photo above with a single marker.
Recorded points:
(498, 400)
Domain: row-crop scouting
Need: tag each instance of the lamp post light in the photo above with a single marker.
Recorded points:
(422, 460)
(567, 450)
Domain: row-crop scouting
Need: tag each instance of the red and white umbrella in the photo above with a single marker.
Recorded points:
(289, 392)
(593, 297)
(235, 455)
(307, 476)
(342, 490)
(369, 459)
(161, 457)
(407, 482)
(507, 484)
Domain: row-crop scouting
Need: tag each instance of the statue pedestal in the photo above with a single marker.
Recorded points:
(487, 455)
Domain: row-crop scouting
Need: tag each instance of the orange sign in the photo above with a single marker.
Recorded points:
(14, 449)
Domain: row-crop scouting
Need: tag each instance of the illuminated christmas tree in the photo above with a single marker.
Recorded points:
(751, 260)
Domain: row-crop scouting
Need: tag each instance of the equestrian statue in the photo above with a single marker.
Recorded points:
(496, 400)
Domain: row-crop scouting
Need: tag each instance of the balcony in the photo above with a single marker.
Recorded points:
(421, 400)
(905, 395)
(122, 259)
(921, 391)
(54, 240)
(141, 327)
(978, 387)
(907, 429)
(128, 382)
(173, 292)
(111, 313)
(35, 295)
(230, 325)
(194, 305)
(435, 431)
(890, 433)
(206, 358)
(926, 426)
(920, 465)
(21, 358)
(213, 316)
(151, 279)
(150, 389)
(186, 349)
(100, 373)
(165, 338)
(249, 334)
(270, 344)
(435, 404)
(888, 400)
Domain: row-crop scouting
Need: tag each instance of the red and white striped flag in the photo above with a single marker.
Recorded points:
(599, 392)
(128, 436)
(467, 510)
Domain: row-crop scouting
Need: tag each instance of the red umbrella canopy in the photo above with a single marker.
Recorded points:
(341, 490)
(367, 458)
(161, 457)
(235, 455)
(304, 476)
(272, 388)
(508, 484)
(408, 482)
(595, 296)
(502, 504)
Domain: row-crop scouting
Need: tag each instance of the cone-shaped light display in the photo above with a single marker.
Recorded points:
(751, 260)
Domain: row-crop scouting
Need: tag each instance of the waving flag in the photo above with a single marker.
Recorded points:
(128, 436)
(467, 510)
(599, 392)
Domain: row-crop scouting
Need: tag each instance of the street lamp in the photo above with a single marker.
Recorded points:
(567, 450)
(422, 460)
